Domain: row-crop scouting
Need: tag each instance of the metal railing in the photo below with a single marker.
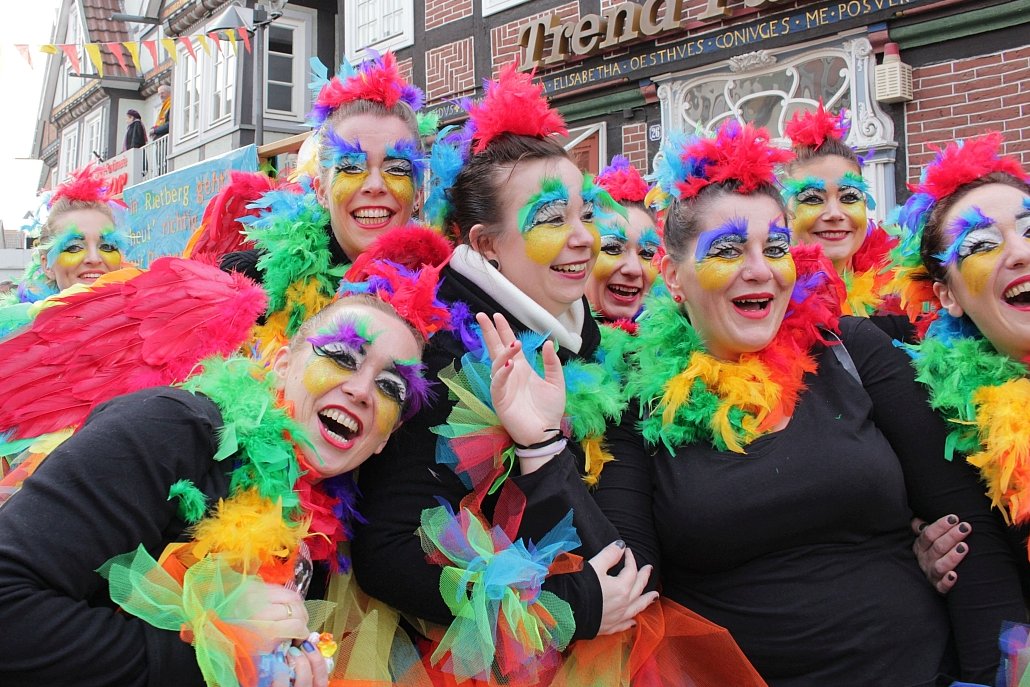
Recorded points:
(155, 157)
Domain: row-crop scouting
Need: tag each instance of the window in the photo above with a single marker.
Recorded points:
(223, 78)
(68, 84)
(69, 152)
(380, 25)
(93, 138)
(187, 96)
(288, 41)
(587, 147)
(494, 6)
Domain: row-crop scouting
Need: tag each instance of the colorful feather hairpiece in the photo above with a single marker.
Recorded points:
(377, 78)
(813, 128)
(87, 185)
(513, 104)
(962, 162)
(738, 153)
(622, 181)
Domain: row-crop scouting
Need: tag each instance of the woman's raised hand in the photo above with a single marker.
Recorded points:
(529, 407)
(623, 594)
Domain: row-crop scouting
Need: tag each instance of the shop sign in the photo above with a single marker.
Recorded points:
(629, 22)
(732, 39)
(164, 212)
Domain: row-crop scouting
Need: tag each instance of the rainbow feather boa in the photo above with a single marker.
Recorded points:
(986, 397)
(688, 396)
(869, 278)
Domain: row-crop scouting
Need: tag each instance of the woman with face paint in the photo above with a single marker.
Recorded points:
(625, 269)
(769, 460)
(966, 251)
(526, 217)
(366, 181)
(829, 202)
(212, 503)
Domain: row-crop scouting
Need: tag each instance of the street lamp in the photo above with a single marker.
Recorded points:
(253, 21)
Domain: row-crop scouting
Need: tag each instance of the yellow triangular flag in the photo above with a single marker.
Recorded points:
(48, 48)
(133, 48)
(169, 46)
(232, 39)
(204, 43)
(93, 53)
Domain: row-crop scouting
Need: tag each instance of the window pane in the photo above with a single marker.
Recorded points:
(280, 39)
(280, 97)
(280, 68)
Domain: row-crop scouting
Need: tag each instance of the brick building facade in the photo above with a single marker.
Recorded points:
(627, 77)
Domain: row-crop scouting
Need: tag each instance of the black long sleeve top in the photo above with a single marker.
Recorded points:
(801, 547)
(403, 480)
(101, 493)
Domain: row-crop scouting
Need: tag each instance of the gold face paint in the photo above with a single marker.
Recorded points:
(68, 260)
(856, 214)
(400, 187)
(322, 375)
(345, 185)
(715, 274)
(112, 257)
(605, 266)
(805, 217)
(388, 412)
(785, 269)
(650, 271)
(976, 269)
(544, 242)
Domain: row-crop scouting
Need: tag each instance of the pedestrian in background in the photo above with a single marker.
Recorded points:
(135, 134)
(163, 121)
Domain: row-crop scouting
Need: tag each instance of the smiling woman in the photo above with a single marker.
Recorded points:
(727, 480)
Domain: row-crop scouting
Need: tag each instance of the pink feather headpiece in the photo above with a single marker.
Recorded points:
(377, 79)
(622, 181)
(513, 105)
(813, 129)
(959, 163)
(86, 185)
(738, 153)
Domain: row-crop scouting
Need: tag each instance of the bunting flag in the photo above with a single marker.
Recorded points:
(72, 53)
(95, 51)
(169, 45)
(116, 50)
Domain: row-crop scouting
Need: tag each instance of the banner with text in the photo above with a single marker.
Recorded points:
(163, 213)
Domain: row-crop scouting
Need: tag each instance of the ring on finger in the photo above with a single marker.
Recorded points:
(289, 610)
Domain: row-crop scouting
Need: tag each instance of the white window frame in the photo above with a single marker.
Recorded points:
(302, 22)
(92, 137)
(227, 63)
(187, 112)
(495, 6)
(404, 39)
(73, 35)
(69, 161)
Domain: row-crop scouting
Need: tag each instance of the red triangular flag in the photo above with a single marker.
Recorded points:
(188, 42)
(245, 36)
(24, 50)
(71, 51)
(151, 47)
(216, 40)
(116, 50)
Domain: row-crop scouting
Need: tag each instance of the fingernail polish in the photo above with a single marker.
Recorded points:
(952, 519)
(307, 646)
(507, 364)
(621, 544)
(961, 548)
(294, 651)
(923, 526)
(963, 528)
(314, 637)
(512, 345)
(951, 576)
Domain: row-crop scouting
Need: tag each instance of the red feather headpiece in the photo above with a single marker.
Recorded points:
(513, 105)
(87, 185)
(622, 181)
(962, 162)
(402, 268)
(738, 153)
(812, 129)
(378, 79)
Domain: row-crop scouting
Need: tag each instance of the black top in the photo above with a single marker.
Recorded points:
(802, 549)
(896, 327)
(135, 135)
(403, 480)
(102, 493)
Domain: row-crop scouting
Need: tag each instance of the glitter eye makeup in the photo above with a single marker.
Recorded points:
(548, 206)
(342, 155)
(809, 189)
(971, 232)
(405, 151)
(722, 242)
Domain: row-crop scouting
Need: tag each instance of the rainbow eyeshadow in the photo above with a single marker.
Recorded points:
(546, 206)
(857, 181)
(409, 151)
(967, 222)
(792, 187)
(734, 227)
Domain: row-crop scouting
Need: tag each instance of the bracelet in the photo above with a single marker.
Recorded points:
(550, 448)
(541, 444)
